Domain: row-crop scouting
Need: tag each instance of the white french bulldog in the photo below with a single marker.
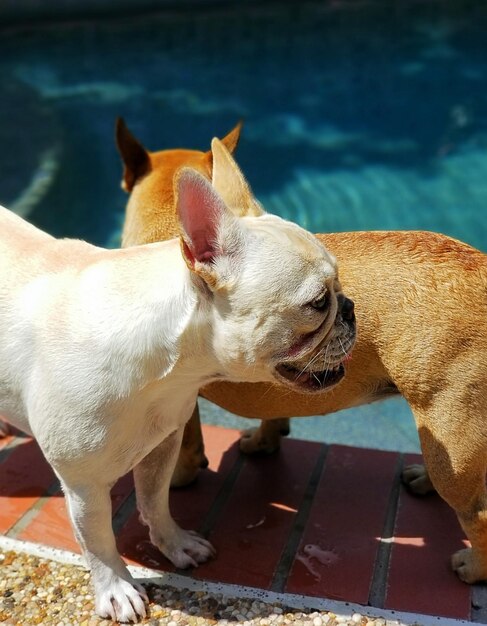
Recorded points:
(103, 353)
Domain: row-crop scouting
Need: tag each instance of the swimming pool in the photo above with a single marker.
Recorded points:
(358, 115)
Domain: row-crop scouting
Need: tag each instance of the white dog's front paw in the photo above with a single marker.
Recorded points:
(120, 600)
(186, 549)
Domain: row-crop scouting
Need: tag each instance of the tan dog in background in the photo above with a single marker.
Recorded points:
(421, 300)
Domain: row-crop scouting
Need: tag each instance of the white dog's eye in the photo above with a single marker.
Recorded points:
(320, 303)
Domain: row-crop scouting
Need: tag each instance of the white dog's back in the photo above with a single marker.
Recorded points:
(55, 297)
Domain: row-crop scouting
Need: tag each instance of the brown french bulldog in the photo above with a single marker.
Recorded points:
(421, 302)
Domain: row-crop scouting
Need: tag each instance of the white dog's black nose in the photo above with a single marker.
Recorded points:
(347, 308)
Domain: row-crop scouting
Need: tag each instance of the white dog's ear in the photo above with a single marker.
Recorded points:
(230, 182)
(209, 231)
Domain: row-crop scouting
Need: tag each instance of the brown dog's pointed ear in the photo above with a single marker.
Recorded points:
(231, 140)
(134, 156)
(230, 183)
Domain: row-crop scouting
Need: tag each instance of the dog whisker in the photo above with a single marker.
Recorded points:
(310, 363)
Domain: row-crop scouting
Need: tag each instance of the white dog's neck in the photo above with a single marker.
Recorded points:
(166, 316)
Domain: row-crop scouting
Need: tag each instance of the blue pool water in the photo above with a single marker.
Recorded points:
(358, 115)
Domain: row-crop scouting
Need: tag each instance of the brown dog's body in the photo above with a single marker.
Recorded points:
(421, 303)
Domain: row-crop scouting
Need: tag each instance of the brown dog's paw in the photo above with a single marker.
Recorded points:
(253, 441)
(468, 566)
(187, 470)
(416, 479)
(184, 476)
(265, 439)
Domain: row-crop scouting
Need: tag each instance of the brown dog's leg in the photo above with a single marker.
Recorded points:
(266, 438)
(455, 453)
(192, 455)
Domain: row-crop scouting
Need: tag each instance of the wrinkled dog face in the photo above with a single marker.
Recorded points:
(278, 311)
(284, 318)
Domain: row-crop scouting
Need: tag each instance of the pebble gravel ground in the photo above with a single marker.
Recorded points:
(34, 590)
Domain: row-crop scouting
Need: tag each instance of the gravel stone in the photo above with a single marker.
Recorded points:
(36, 591)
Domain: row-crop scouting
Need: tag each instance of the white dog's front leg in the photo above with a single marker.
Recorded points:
(152, 476)
(116, 594)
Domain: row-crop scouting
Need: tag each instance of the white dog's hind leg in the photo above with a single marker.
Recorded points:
(116, 594)
(152, 477)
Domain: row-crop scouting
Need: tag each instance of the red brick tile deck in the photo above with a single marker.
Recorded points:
(324, 521)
